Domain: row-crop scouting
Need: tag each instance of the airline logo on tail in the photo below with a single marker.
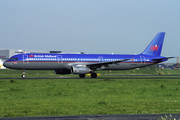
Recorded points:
(154, 48)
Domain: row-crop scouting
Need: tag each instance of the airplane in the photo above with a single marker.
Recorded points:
(83, 64)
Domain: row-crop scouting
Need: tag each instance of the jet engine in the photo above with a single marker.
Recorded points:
(62, 71)
(80, 70)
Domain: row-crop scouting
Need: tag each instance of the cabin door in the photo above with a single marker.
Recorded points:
(25, 59)
(143, 59)
(60, 59)
(100, 59)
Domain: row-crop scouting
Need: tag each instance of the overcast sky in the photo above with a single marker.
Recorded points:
(90, 26)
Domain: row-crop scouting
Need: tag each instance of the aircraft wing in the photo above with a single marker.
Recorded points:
(98, 65)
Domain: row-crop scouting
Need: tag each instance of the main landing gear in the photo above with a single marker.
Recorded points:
(93, 75)
(23, 75)
(82, 75)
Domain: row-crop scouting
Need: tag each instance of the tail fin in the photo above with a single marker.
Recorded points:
(155, 47)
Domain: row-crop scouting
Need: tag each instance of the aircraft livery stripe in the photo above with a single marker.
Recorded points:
(74, 62)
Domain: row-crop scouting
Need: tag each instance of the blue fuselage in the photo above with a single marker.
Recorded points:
(65, 61)
(88, 63)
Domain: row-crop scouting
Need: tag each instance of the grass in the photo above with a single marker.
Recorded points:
(58, 97)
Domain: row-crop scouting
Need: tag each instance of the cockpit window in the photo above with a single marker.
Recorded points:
(13, 58)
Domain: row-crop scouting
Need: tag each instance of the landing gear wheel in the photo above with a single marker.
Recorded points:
(82, 75)
(23, 76)
(93, 75)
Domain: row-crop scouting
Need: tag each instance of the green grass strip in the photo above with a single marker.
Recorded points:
(58, 97)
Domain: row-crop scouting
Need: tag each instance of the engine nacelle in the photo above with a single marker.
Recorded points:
(62, 71)
(80, 70)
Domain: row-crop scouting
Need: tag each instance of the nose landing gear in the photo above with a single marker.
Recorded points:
(23, 75)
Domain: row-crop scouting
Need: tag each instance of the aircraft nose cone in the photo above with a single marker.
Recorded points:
(6, 64)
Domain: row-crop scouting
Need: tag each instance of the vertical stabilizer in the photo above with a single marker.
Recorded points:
(155, 47)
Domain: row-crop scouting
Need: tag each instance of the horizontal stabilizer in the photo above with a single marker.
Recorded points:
(161, 59)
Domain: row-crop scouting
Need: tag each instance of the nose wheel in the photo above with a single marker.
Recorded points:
(23, 75)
